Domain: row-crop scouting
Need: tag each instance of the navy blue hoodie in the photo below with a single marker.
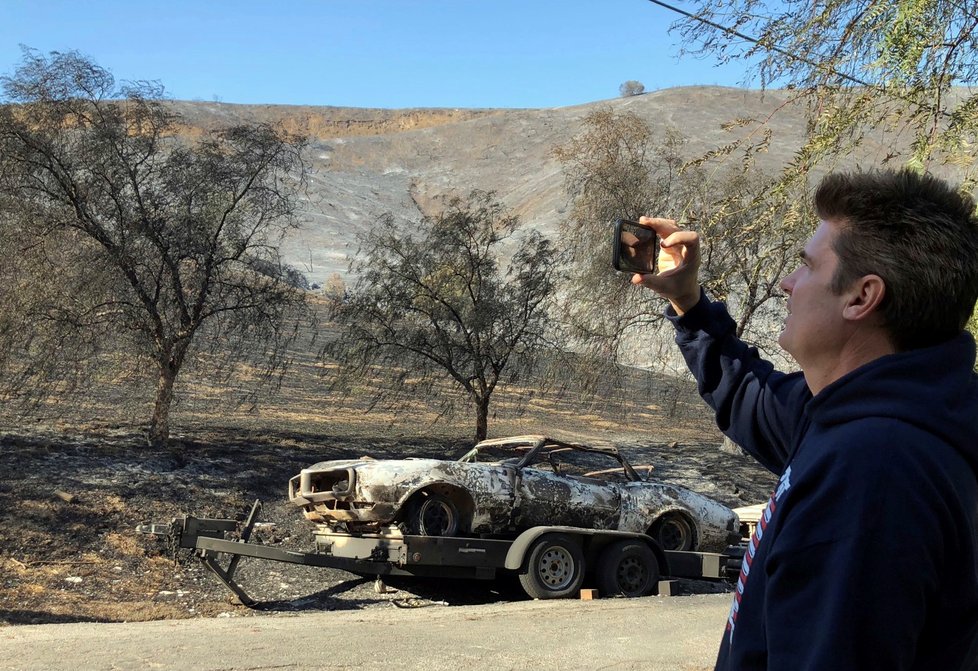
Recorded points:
(867, 555)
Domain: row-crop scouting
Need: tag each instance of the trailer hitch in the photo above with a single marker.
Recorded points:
(209, 559)
(197, 533)
(208, 537)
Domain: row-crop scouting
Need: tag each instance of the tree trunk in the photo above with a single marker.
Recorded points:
(159, 426)
(481, 418)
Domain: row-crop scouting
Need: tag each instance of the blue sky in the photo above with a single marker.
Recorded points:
(369, 53)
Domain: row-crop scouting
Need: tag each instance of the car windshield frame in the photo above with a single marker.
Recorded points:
(536, 444)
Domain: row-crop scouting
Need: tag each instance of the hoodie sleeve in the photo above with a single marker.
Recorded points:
(756, 407)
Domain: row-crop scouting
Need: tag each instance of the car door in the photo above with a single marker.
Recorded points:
(554, 490)
(493, 491)
(542, 498)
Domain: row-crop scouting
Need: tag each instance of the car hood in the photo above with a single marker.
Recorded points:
(410, 464)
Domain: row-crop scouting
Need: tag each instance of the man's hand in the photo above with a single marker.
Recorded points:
(677, 279)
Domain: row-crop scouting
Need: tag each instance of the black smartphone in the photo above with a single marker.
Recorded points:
(634, 248)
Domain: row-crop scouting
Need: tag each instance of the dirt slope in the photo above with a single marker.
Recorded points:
(365, 163)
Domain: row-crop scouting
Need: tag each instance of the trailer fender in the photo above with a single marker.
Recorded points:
(516, 555)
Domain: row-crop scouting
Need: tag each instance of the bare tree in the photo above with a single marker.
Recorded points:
(631, 88)
(434, 303)
(166, 245)
(609, 173)
(618, 167)
(752, 243)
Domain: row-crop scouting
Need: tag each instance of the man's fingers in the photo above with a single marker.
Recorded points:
(681, 237)
(670, 234)
(629, 239)
(657, 283)
(662, 227)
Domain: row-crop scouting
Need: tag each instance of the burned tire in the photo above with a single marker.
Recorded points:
(673, 531)
(434, 515)
(554, 569)
(627, 568)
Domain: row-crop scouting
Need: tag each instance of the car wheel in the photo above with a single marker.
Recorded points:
(434, 515)
(673, 531)
(627, 568)
(555, 568)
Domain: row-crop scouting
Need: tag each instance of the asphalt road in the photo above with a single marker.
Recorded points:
(653, 633)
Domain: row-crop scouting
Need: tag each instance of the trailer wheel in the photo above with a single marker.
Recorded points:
(434, 515)
(555, 568)
(627, 568)
(673, 531)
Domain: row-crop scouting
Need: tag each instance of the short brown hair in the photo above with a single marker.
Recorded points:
(920, 235)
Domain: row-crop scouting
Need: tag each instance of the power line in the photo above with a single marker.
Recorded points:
(769, 47)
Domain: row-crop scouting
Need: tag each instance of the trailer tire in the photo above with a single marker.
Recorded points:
(627, 568)
(434, 515)
(554, 569)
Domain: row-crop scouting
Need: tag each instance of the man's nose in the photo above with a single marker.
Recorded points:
(788, 283)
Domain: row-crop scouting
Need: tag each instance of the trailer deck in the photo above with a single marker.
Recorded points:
(550, 560)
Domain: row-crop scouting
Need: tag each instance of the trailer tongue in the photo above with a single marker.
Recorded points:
(551, 561)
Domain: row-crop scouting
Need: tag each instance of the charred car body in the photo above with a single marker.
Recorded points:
(504, 486)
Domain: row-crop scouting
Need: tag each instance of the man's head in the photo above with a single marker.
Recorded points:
(919, 236)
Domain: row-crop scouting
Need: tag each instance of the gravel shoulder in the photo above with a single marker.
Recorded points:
(662, 633)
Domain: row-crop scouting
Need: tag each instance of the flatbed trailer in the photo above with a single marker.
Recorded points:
(551, 561)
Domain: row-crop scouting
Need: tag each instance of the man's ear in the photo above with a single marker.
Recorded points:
(865, 297)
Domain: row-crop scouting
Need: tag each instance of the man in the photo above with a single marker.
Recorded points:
(866, 556)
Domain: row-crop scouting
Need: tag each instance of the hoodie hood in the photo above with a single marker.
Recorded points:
(934, 388)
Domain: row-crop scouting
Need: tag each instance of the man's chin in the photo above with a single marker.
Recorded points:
(783, 340)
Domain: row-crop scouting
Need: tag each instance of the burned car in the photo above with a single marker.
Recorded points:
(504, 486)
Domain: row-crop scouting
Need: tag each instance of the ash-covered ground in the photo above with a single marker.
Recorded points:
(69, 506)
